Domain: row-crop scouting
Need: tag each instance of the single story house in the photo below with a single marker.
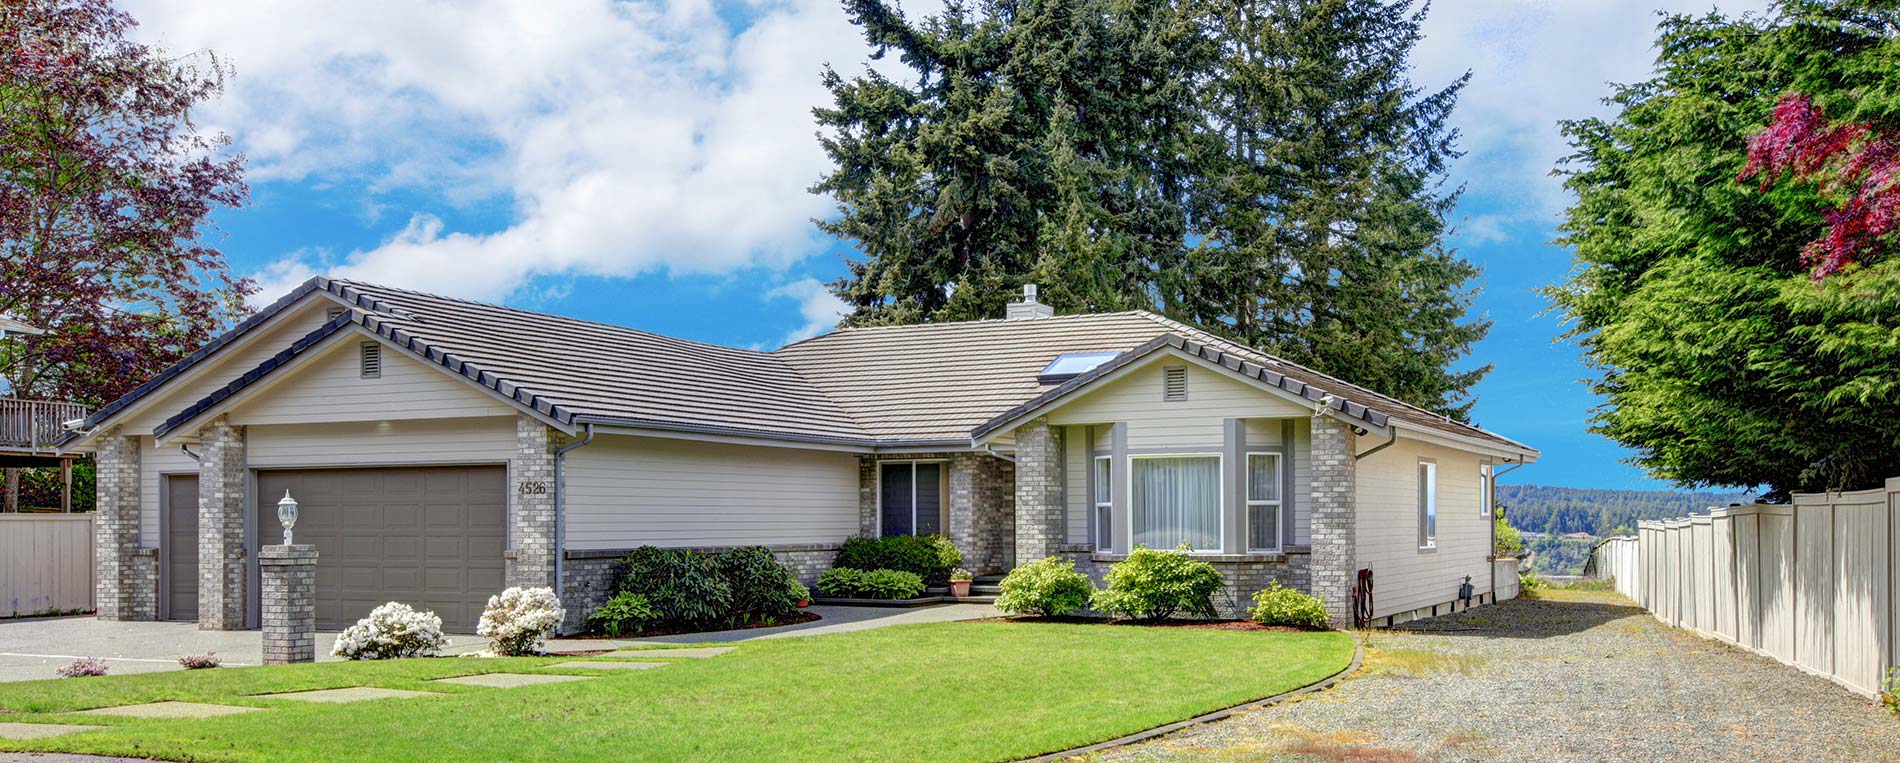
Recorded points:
(442, 449)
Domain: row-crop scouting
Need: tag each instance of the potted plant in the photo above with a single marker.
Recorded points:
(960, 582)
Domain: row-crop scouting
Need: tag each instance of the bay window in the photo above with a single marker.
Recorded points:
(1103, 482)
(1175, 499)
(1263, 501)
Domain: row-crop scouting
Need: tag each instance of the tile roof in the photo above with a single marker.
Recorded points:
(929, 384)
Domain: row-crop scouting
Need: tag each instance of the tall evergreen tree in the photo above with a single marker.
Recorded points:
(1263, 169)
(1722, 361)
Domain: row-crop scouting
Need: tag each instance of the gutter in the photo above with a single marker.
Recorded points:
(560, 504)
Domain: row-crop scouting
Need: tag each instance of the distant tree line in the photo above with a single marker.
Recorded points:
(1545, 509)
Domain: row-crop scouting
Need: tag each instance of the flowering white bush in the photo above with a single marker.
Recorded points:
(391, 630)
(519, 619)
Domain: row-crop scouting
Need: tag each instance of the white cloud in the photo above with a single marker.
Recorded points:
(1532, 64)
(627, 137)
(820, 308)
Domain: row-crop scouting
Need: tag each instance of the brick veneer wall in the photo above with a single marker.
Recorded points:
(289, 581)
(983, 511)
(531, 504)
(1039, 531)
(1334, 538)
(125, 584)
(221, 568)
(587, 577)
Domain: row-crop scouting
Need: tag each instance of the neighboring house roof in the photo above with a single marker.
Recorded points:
(11, 326)
(917, 385)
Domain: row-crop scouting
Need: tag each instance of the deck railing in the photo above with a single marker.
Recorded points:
(35, 424)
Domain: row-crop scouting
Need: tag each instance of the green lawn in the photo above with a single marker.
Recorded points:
(943, 691)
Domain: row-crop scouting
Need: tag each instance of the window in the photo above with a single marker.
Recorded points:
(1174, 383)
(910, 497)
(1072, 364)
(1263, 501)
(1427, 504)
(1175, 500)
(1485, 500)
(372, 360)
(1104, 503)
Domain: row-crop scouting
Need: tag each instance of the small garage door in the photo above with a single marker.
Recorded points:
(180, 547)
(431, 538)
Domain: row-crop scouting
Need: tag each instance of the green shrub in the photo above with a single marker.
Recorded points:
(1050, 588)
(930, 557)
(1890, 691)
(761, 588)
(891, 584)
(1529, 581)
(845, 582)
(1279, 605)
(842, 582)
(1154, 585)
(625, 613)
(684, 586)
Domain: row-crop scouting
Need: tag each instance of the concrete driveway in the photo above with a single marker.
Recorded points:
(33, 648)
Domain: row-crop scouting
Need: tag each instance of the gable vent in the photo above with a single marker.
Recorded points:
(372, 360)
(332, 314)
(1174, 383)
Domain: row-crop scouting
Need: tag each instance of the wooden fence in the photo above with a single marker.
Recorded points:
(45, 563)
(1811, 583)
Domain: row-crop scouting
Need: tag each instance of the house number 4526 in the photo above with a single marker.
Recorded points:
(534, 488)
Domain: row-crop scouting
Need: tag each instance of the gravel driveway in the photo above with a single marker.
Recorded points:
(1577, 676)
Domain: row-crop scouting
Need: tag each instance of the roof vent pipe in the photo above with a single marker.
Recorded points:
(1029, 307)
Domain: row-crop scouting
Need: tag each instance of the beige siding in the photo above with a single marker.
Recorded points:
(259, 348)
(1404, 576)
(1153, 423)
(624, 492)
(383, 443)
(331, 388)
(1076, 465)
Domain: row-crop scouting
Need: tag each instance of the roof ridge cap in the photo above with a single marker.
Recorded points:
(949, 324)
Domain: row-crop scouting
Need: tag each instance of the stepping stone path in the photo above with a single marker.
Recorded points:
(348, 694)
(693, 653)
(170, 710)
(40, 730)
(508, 680)
(606, 665)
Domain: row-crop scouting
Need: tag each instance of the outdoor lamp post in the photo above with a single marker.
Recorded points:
(287, 515)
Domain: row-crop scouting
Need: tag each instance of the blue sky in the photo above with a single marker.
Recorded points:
(644, 163)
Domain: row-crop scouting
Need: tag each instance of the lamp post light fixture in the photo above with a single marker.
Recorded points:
(287, 515)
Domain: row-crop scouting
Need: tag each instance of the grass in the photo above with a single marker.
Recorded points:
(945, 691)
(1418, 663)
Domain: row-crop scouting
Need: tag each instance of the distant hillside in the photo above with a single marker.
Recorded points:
(1538, 508)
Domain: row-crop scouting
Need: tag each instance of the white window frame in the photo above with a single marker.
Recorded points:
(1104, 504)
(1279, 505)
(942, 476)
(1487, 480)
(1427, 504)
(1220, 470)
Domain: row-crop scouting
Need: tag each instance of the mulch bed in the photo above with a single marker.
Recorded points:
(802, 617)
(1196, 625)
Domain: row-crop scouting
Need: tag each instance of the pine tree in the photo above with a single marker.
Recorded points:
(1263, 169)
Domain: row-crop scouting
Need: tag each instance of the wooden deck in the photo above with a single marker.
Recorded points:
(35, 427)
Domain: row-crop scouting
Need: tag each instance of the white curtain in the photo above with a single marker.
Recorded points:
(1177, 499)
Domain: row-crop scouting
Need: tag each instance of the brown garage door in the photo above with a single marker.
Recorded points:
(431, 538)
(180, 546)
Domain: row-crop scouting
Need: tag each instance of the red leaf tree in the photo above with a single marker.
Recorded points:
(1856, 166)
(106, 192)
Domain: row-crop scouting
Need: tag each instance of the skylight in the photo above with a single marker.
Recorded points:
(1072, 364)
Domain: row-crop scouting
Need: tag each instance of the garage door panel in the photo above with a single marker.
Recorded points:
(428, 537)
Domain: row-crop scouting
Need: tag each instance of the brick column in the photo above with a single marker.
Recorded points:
(531, 504)
(289, 603)
(867, 497)
(221, 578)
(962, 530)
(1334, 565)
(1038, 491)
(125, 585)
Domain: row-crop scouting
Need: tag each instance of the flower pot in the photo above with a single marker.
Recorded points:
(959, 588)
(803, 603)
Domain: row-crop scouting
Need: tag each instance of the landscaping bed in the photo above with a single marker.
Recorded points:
(945, 691)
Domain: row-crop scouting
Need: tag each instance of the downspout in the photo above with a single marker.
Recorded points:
(1495, 473)
(991, 449)
(186, 449)
(560, 506)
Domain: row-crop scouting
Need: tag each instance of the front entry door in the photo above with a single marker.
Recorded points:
(179, 547)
